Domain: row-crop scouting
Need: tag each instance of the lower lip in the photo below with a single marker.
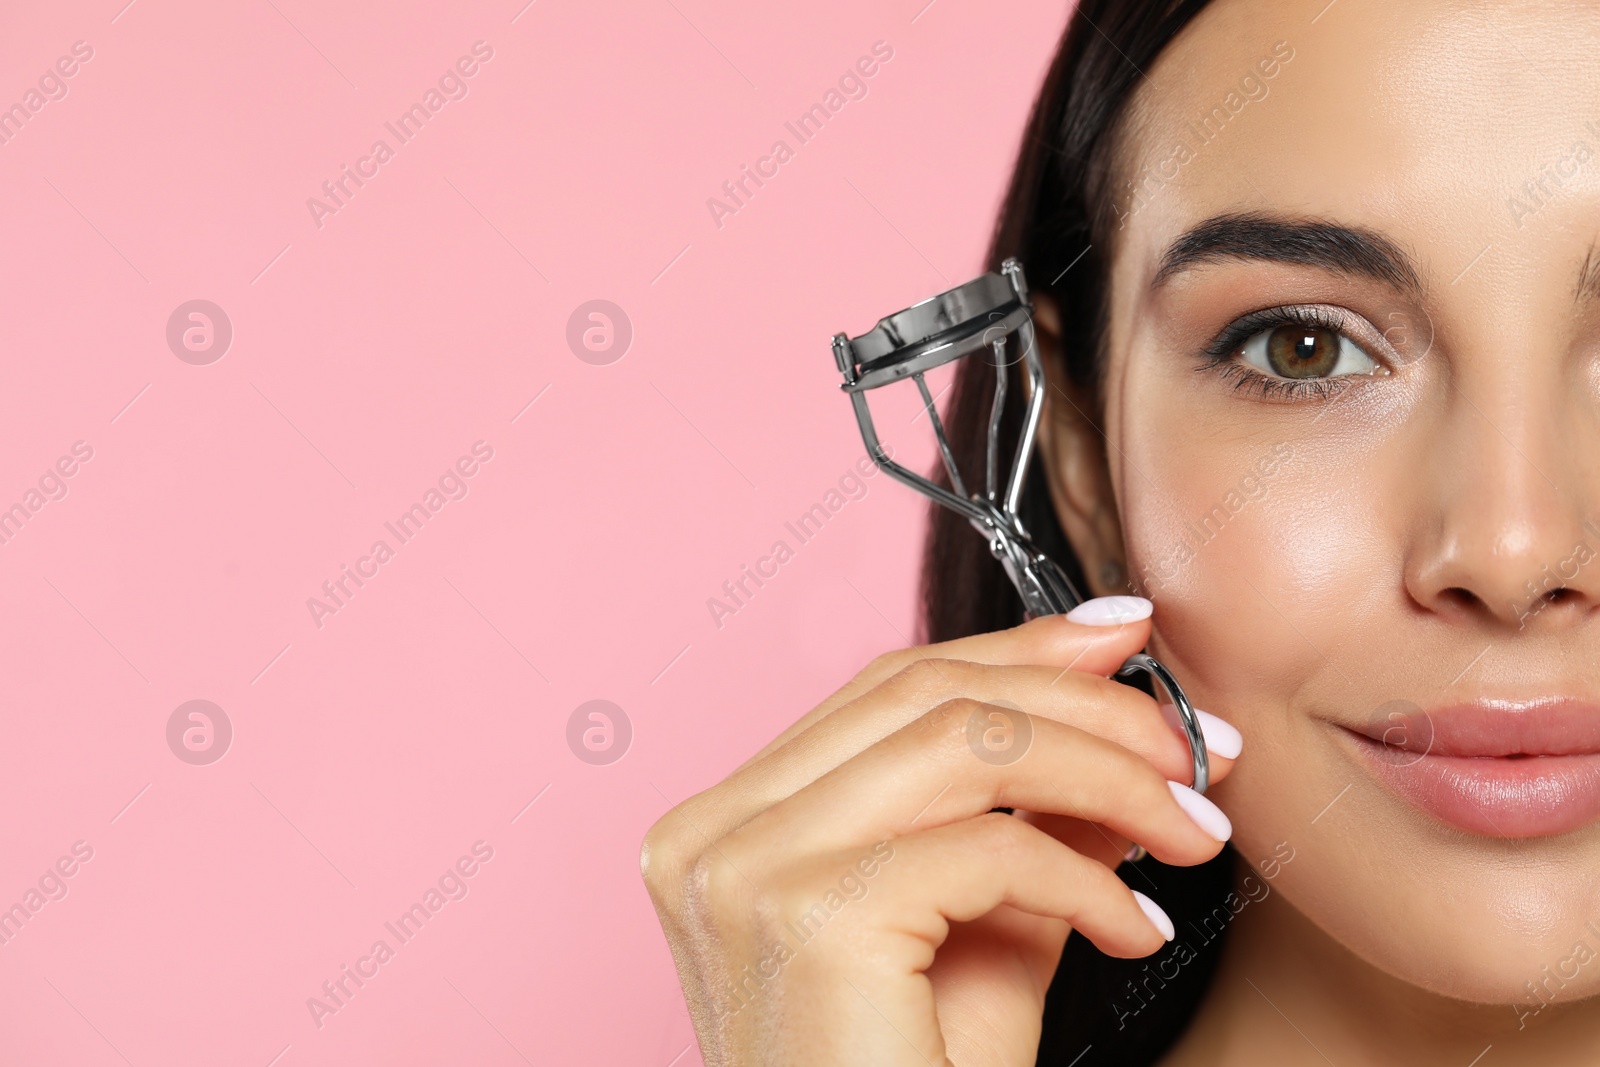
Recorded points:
(1529, 796)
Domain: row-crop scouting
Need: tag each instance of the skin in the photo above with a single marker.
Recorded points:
(1382, 560)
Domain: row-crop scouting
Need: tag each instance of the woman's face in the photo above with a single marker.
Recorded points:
(1371, 528)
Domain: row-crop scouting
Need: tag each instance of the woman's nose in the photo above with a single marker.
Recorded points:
(1507, 534)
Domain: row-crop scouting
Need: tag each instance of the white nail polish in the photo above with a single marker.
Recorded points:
(1206, 815)
(1157, 917)
(1110, 611)
(1222, 738)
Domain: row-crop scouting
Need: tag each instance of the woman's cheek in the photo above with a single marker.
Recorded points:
(1254, 560)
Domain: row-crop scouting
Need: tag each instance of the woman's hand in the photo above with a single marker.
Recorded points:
(848, 895)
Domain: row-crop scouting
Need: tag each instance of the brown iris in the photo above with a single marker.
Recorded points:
(1299, 351)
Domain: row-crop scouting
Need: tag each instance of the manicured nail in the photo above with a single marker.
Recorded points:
(1134, 854)
(1110, 611)
(1206, 815)
(1222, 738)
(1157, 917)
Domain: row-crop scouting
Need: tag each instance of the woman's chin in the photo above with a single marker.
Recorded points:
(1492, 966)
(1477, 942)
(1472, 916)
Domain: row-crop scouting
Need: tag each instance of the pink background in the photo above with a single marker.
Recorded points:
(368, 354)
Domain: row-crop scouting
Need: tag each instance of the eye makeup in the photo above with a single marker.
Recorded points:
(1292, 352)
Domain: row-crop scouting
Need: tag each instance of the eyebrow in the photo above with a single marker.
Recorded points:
(1588, 287)
(1300, 241)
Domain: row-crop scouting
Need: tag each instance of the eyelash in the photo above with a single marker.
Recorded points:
(1220, 353)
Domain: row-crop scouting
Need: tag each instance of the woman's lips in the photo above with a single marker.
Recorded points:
(1498, 768)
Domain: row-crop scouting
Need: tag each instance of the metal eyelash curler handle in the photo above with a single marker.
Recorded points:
(981, 314)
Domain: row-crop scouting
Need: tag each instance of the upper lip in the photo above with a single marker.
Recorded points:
(1549, 726)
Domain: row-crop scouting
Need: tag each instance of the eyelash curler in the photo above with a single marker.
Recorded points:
(985, 313)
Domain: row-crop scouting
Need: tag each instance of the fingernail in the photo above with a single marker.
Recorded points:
(1221, 737)
(1206, 815)
(1157, 917)
(1134, 854)
(1110, 611)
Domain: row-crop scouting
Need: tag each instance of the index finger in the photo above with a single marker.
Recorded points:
(1095, 637)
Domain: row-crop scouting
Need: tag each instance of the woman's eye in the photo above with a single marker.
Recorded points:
(1297, 350)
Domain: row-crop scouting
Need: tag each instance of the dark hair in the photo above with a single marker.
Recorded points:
(1057, 220)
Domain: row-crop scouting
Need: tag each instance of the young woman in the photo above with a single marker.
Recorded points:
(1317, 286)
